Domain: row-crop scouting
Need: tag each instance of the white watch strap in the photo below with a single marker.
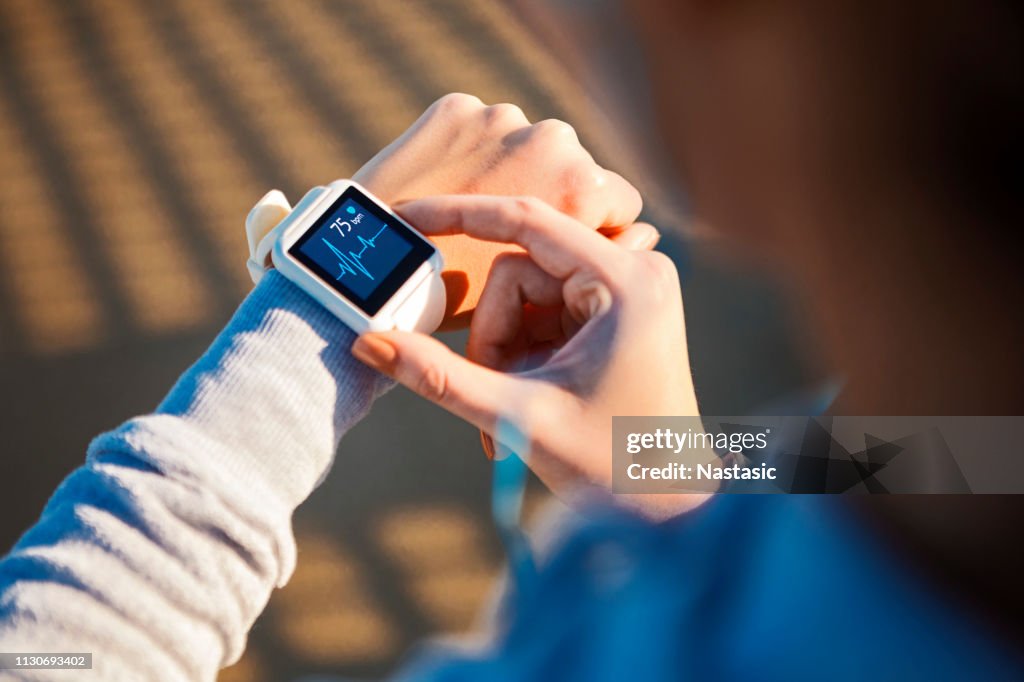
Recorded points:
(262, 227)
(424, 309)
(265, 223)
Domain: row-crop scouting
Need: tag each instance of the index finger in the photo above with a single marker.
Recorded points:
(560, 245)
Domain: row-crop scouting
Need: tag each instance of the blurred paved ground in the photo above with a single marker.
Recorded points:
(134, 137)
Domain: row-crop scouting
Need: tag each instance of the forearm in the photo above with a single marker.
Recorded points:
(158, 554)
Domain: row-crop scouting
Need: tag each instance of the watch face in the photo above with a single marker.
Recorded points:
(360, 250)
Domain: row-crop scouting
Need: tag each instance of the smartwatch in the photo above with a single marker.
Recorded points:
(355, 256)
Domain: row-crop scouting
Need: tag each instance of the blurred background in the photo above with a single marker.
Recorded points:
(134, 137)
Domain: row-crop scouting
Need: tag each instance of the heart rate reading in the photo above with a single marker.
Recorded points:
(352, 262)
(356, 248)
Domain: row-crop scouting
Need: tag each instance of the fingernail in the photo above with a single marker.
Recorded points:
(653, 241)
(488, 445)
(375, 352)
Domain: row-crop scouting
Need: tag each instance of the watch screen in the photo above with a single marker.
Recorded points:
(359, 250)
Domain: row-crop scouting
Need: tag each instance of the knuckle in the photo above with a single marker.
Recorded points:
(527, 209)
(632, 199)
(580, 193)
(507, 263)
(529, 205)
(456, 103)
(658, 263)
(659, 270)
(509, 213)
(555, 129)
(516, 215)
(505, 114)
(582, 177)
(433, 383)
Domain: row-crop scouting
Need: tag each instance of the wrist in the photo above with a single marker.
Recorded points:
(277, 388)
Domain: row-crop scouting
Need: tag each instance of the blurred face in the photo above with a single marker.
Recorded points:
(828, 140)
(705, 121)
(712, 97)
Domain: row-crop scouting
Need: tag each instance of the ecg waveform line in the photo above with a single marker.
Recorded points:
(351, 262)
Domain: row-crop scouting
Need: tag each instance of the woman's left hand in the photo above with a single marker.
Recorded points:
(462, 146)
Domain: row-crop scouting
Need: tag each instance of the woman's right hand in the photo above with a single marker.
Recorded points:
(603, 327)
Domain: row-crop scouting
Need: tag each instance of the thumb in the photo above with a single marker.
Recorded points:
(428, 367)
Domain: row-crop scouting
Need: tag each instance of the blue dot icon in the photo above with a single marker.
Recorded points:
(351, 209)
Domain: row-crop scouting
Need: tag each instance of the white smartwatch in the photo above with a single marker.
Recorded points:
(356, 257)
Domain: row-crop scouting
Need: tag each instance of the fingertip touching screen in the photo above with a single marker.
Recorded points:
(359, 250)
